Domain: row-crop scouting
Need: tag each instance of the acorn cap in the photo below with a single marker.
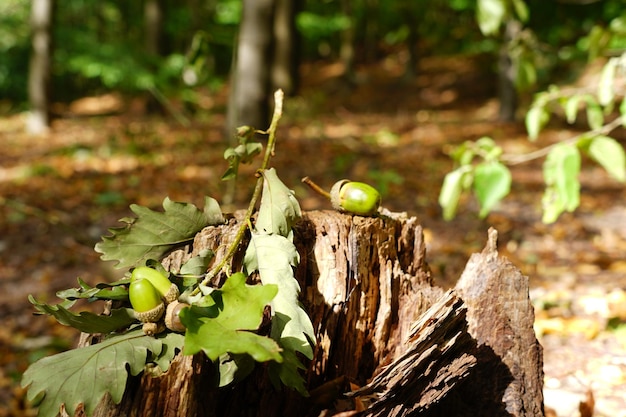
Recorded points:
(150, 329)
(172, 294)
(335, 199)
(151, 316)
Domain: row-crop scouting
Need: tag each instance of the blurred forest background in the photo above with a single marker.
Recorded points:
(109, 103)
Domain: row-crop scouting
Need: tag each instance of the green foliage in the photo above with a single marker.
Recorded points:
(492, 182)
(225, 327)
(85, 321)
(14, 49)
(151, 234)
(607, 152)
(243, 153)
(489, 179)
(560, 172)
(85, 375)
(272, 253)
(224, 322)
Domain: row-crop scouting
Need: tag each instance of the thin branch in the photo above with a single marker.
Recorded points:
(245, 224)
(604, 130)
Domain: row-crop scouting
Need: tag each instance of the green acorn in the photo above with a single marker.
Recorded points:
(167, 289)
(146, 301)
(355, 197)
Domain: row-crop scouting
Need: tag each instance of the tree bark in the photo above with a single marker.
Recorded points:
(286, 57)
(389, 343)
(41, 18)
(507, 72)
(250, 80)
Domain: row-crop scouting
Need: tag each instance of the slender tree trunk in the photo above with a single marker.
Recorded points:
(250, 82)
(286, 57)
(346, 49)
(507, 73)
(39, 85)
(411, 12)
(153, 19)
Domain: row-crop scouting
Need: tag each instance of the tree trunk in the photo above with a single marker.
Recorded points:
(507, 72)
(285, 60)
(42, 13)
(389, 343)
(250, 80)
(153, 20)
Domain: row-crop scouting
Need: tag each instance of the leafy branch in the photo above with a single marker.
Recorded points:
(490, 179)
(269, 152)
(223, 322)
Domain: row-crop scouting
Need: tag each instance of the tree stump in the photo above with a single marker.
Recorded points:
(389, 342)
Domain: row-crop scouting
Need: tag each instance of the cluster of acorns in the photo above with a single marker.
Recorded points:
(155, 301)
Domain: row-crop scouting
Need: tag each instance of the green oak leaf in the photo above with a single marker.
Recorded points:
(85, 375)
(114, 291)
(279, 209)
(172, 344)
(288, 372)
(152, 234)
(274, 256)
(198, 264)
(226, 326)
(85, 321)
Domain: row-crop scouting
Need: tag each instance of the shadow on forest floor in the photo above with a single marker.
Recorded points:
(60, 193)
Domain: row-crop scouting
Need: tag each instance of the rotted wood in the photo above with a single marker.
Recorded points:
(389, 342)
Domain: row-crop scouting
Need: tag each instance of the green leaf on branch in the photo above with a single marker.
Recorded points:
(536, 118)
(85, 321)
(85, 375)
(197, 265)
(243, 153)
(606, 87)
(521, 10)
(226, 326)
(492, 182)
(152, 234)
(274, 256)
(103, 291)
(451, 190)
(560, 171)
(279, 209)
(272, 252)
(595, 115)
(610, 154)
(570, 107)
(490, 15)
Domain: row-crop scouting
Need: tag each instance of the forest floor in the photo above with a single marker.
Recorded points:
(60, 193)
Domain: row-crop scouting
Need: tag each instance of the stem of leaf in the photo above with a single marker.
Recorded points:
(245, 224)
